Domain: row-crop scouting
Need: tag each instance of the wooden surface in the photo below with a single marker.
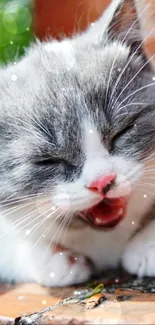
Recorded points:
(127, 302)
(23, 299)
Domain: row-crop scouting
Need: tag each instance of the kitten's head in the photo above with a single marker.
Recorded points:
(79, 119)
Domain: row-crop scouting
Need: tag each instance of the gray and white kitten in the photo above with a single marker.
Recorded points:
(77, 130)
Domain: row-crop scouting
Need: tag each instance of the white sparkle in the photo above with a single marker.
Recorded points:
(44, 302)
(27, 232)
(14, 63)
(92, 24)
(14, 77)
(153, 78)
(52, 274)
(43, 236)
(53, 208)
(61, 253)
(119, 70)
(133, 222)
(71, 272)
(20, 297)
(75, 258)
(116, 280)
(91, 131)
(145, 196)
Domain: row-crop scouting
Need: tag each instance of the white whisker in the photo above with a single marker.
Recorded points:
(117, 53)
(136, 91)
(132, 79)
(10, 201)
(24, 218)
(127, 113)
(50, 243)
(40, 216)
(149, 158)
(8, 211)
(63, 225)
(67, 227)
(36, 227)
(42, 235)
(128, 62)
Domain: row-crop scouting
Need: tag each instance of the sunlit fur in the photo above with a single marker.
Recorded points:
(70, 112)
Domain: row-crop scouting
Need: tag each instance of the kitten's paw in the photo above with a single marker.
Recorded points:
(139, 257)
(65, 268)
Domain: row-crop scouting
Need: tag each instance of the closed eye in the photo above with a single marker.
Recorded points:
(49, 161)
(125, 130)
(130, 125)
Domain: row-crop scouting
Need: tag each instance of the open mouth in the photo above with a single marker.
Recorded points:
(107, 214)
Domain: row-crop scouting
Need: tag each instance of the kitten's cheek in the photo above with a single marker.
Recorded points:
(45, 206)
(62, 200)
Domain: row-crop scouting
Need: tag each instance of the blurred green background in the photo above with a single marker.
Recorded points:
(15, 28)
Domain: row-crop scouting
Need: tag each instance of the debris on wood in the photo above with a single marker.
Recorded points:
(86, 299)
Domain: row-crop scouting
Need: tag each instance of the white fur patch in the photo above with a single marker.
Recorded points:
(64, 51)
(139, 256)
(93, 147)
(96, 155)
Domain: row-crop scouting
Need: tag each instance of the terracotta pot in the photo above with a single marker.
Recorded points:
(59, 17)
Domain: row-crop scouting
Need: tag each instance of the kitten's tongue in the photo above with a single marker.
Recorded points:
(108, 213)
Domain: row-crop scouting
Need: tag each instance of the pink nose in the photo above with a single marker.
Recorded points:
(103, 185)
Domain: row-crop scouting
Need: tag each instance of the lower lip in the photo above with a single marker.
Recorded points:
(107, 226)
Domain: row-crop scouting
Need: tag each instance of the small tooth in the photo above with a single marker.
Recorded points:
(98, 221)
(120, 212)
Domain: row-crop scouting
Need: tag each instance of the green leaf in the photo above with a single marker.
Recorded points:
(97, 290)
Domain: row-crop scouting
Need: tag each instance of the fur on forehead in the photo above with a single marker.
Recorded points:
(67, 53)
(63, 51)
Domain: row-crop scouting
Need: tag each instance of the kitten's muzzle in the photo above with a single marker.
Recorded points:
(103, 185)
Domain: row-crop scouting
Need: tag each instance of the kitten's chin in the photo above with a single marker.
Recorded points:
(106, 215)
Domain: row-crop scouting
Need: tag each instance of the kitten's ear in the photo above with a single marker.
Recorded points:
(127, 25)
(124, 20)
(124, 24)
